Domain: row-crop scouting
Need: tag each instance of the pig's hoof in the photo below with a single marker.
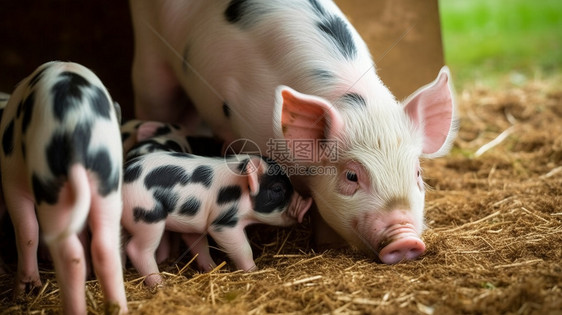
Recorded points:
(113, 308)
(28, 287)
(154, 282)
(252, 269)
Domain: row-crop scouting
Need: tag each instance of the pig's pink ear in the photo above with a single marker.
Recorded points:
(299, 116)
(300, 207)
(254, 169)
(432, 108)
(148, 129)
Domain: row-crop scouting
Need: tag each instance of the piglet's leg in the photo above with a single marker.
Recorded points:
(235, 243)
(68, 257)
(142, 248)
(22, 213)
(104, 219)
(199, 244)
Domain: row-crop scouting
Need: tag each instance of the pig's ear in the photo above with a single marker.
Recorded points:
(301, 116)
(254, 169)
(432, 108)
(148, 129)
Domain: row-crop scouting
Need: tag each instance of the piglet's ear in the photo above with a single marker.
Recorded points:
(432, 108)
(254, 169)
(299, 116)
(148, 130)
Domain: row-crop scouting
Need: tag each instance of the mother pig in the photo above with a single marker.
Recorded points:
(297, 70)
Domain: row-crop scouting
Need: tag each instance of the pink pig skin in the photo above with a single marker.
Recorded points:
(143, 202)
(48, 181)
(297, 70)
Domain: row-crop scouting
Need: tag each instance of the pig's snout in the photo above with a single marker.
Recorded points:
(400, 242)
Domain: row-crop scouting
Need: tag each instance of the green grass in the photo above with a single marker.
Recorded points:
(485, 40)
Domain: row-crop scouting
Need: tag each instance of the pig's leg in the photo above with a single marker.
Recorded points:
(163, 250)
(235, 243)
(68, 257)
(70, 268)
(26, 228)
(199, 244)
(84, 237)
(142, 248)
(158, 94)
(104, 219)
(168, 247)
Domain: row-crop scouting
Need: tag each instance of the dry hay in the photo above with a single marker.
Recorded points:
(493, 243)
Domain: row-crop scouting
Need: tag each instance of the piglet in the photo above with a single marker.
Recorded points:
(61, 168)
(144, 136)
(197, 195)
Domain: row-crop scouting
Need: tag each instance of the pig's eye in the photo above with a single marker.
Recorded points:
(351, 176)
(276, 191)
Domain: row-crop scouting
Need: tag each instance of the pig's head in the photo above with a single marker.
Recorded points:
(376, 198)
(274, 200)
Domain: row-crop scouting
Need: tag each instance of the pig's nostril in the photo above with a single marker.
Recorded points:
(403, 249)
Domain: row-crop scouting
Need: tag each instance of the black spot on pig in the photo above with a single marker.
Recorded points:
(45, 191)
(37, 77)
(318, 8)
(190, 207)
(164, 130)
(67, 93)
(322, 75)
(166, 177)
(244, 13)
(8, 139)
(100, 103)
(27, 109)
(226, 219)
(203, 175)
(226, 110)
(172, 145)
(243, 166)
(152, 145)
(336, 30)
(131, 172)
(149, 216)
(181, 155)
(235, 11)
(165, 202)
(275, 190)
(228, 194)
(100, 162)
(354, 99)
(58, 154)
(167, 199)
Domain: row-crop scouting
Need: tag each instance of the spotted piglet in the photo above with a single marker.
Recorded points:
(143, 136)
(197, 195)
(61, 167)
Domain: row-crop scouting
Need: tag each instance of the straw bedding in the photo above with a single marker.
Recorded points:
(494, 237)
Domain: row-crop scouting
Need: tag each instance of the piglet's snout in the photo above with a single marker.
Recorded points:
(400, 242)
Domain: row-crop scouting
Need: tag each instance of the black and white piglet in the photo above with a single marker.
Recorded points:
(61, 165)
(197, 195)
(144, 136)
